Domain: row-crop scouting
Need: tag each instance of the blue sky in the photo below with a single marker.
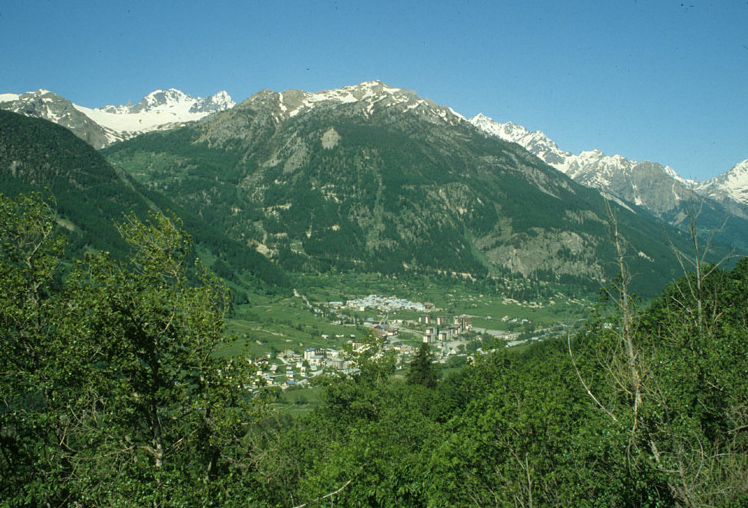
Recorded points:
(658, 80)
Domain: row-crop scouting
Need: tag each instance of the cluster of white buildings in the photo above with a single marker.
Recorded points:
(293, 369)
(384, 304)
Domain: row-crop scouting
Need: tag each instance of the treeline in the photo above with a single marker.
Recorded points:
(112, 395)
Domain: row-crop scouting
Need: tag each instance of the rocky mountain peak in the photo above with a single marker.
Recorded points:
(41, 102)
(730, 185)
(653, 186)
(218, 102)
(366, 99)
(173, 100)
(50, 106)
(161, 98)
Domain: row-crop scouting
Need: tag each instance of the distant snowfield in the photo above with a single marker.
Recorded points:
(8, 97)
(143, 121)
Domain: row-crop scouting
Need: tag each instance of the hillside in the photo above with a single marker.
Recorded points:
(375, 178)
(90, 194)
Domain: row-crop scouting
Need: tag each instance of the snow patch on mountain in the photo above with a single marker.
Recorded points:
(8, 97)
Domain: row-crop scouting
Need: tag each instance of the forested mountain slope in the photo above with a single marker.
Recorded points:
(90, 194)
(371, 177)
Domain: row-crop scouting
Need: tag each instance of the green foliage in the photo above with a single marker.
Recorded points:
(674, 387)
(33, 358)
(112, 395)
(111, 390)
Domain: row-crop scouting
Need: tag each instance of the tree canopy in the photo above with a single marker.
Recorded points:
(111, 392)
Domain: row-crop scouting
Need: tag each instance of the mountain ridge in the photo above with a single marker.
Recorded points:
(100, 127)
(649, 185)
(90, 195)
(593, 167)
(165, 109)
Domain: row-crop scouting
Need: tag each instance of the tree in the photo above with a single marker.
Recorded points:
(526, 438)
(422, 370)
(697, 418)
(112, 389)
(34, 380)
(668, 378)
(169, 410)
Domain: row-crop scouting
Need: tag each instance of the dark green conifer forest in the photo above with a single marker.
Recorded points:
(111, 394)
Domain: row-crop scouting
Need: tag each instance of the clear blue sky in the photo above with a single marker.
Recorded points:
(656, 80)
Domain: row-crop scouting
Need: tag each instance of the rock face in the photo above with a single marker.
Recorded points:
(101, 127)
(372, 177)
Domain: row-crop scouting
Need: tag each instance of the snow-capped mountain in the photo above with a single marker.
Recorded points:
(651, 185)
(535, 142)
(174, 102)
(731, 185)
(161, 109)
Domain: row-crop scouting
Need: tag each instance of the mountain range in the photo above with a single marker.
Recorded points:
(651, 185)
(718, 206)
(376, 178)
